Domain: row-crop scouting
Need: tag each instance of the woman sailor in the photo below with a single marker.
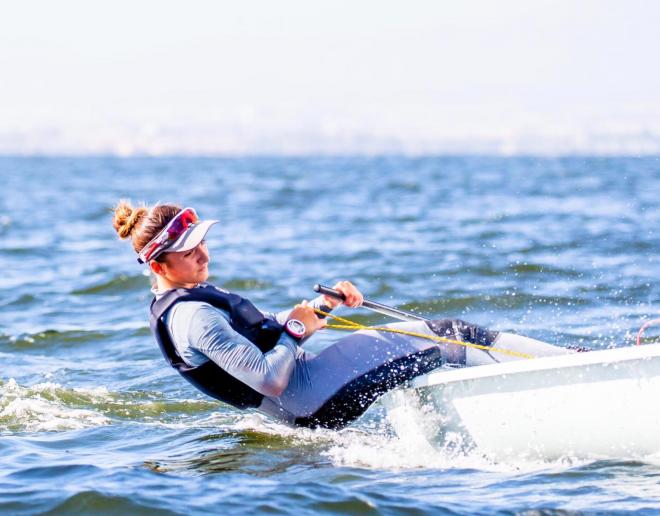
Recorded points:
(230, 350)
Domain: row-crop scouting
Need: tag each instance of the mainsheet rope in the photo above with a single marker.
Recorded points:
(348, 325)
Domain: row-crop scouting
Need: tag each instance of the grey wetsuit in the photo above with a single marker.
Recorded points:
(337, 385)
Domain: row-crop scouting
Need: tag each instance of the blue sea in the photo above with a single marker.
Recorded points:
(93, 421)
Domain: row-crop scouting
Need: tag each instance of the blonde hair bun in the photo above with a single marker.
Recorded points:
(126, 218)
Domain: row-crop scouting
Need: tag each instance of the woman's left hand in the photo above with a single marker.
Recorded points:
(353, 296)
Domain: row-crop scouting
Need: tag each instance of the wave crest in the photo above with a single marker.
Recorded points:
(37, 409)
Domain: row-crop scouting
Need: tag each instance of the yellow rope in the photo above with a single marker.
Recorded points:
(354, 326)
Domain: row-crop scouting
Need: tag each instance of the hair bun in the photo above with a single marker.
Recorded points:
(126, 217)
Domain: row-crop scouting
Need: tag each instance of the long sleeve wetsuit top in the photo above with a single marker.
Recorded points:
(201, 332)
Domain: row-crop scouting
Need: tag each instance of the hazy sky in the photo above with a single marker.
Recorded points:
(303, 76)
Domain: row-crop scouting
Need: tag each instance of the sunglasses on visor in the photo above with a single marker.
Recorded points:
(168, 235)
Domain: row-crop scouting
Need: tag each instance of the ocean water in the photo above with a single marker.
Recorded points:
(93, 421)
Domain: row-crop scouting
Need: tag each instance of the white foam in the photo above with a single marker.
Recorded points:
(371, 443)
(390, 452)
(27, 409)
(263, 424)
(100, 393)
(364, 445)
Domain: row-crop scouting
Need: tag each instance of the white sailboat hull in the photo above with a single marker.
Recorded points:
(603, 404)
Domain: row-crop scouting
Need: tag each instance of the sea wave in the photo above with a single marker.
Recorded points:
(46, 338)
(40, 409)
(246, 284)
(19, 300)
(118, 284)
(49, 406)
(452, 302)
(69, 337)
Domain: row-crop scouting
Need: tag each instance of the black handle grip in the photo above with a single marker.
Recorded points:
(327, 291)
(372, 305)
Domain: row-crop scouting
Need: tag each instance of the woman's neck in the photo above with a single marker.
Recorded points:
(165, 284)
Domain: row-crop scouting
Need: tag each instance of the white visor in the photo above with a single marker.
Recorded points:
(191, 237)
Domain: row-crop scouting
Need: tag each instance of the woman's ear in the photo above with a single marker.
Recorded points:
(157, 267)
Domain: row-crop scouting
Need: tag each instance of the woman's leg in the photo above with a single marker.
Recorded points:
(344, 379)
(455, 329)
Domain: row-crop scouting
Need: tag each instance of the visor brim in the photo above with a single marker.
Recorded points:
(191, 237)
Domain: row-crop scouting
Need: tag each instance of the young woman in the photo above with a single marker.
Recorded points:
(230, 350)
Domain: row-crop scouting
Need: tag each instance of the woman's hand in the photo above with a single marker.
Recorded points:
(353, 296)
(306, 315)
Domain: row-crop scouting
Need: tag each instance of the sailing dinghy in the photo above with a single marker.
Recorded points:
(601, 404)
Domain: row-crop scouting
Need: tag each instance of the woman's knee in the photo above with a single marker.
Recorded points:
(464, 331)
(444, 327)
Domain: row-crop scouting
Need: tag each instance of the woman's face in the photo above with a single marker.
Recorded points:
(186, 267)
